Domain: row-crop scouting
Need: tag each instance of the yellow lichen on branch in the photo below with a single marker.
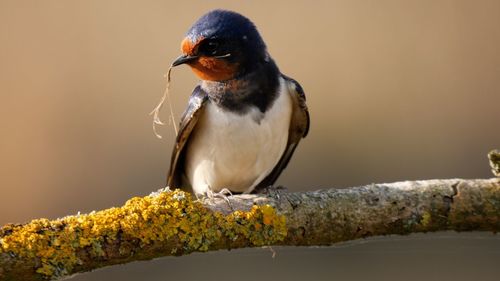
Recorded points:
(159, 219)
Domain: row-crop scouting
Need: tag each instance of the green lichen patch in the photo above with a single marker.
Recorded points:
(159, 218)
(426, 219)
(494, 157)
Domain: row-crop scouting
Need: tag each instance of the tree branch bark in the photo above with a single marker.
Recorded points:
(170, 223)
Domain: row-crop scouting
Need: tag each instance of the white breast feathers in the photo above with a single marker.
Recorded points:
(237, 151)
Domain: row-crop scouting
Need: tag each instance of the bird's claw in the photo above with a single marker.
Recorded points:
(223, 194)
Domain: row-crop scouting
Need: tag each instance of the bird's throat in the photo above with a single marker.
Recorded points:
(254, 89)
(213, 69)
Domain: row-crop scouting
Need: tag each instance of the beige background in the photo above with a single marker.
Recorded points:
(398, 90)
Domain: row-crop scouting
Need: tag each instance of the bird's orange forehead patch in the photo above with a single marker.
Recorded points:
(189, 47)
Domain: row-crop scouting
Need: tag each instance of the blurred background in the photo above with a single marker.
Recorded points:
(397, 90)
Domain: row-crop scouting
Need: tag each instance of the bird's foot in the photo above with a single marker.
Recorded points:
(223, 194)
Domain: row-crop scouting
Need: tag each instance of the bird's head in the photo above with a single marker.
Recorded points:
(222, 45)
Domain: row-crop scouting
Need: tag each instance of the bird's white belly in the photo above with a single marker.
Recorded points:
(235, 151)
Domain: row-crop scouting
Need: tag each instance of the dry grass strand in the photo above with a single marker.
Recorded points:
(156, 110)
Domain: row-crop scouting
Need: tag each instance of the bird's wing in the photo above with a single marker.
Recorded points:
(197, 101)
(299, 127)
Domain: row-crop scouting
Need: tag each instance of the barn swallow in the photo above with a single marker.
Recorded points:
(244, 119)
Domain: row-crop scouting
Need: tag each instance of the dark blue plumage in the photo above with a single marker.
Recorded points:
(223, 24)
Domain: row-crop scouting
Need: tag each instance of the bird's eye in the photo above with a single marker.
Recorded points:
(209, 48)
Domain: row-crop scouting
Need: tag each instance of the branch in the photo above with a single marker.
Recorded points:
(171, 223)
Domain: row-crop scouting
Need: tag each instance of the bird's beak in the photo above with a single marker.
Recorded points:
(183, 59)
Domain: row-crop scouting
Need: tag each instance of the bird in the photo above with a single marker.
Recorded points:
(243, 120)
